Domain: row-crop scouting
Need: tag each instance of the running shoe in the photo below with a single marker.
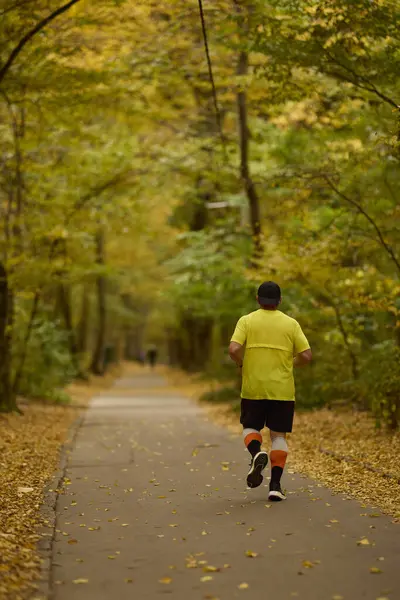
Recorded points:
(257, 466)
(275, 492)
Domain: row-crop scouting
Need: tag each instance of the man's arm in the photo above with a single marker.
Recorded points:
(236, 352)
(302, 358)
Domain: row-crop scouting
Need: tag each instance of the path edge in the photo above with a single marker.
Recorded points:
(48, 512)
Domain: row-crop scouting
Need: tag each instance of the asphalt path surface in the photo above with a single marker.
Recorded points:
(155, 504)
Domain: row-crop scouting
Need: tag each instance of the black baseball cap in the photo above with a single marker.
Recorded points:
(269, 293)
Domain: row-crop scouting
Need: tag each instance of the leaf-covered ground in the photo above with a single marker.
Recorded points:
(29, 454)
(360, 448)
(352, 437)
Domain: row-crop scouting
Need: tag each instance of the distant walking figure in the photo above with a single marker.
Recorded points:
(266, 345)
(152, 356)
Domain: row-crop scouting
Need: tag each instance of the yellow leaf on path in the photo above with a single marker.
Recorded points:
(173, 525)
(124, 524)
(251, 554)
(337, 597)
(363, 542)
(243, 586)
(206, 578)
(128, 580)
(210, 569)
(111, 557)
(204, 533)
(160, 497)
(80, 581)
(160, 535)
(25, 490)
(333, 521)
(165, 580)
(72, 541)
(308, 564)
(375, 570)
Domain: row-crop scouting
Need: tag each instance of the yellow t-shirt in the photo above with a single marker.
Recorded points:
(271, 340)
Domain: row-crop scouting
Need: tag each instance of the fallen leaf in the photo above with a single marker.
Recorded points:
(128, 580)
(80, 581)
(72, 541)
(111, 556)
(243, 586)
(251, 554)
(206, 578)
(210, 569)
(165, 580)
(308, 564)
(25, 490)
(363, 542)
(375, 570)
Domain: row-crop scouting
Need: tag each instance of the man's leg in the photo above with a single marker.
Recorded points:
(253, 419)
(278, 456)
(279, 420)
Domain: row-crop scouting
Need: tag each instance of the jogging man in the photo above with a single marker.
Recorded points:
(266, 344)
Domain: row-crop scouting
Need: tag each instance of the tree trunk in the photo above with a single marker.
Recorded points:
(65, 307)
(97, 366)
(244, 134)
(83, 326)
(7, 397)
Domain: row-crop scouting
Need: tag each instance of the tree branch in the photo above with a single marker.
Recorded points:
(28, 36)
(363, 212)
(356, 79)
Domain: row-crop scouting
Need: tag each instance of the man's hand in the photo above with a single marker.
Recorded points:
(236, 352)
(303, 358)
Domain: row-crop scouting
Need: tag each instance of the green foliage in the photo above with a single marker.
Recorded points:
(48, 365)
(382, 382)
(220, 395)
(101, 129)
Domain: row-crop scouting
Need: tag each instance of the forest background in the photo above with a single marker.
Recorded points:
(138, 205)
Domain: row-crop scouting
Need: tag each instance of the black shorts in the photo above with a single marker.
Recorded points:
(274, 414)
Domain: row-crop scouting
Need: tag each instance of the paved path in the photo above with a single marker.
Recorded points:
(157, 494)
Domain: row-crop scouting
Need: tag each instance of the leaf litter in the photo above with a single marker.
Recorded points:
(349, 434)
(29, 454)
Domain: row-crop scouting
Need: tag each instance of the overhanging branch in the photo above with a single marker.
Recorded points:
(28, 36)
